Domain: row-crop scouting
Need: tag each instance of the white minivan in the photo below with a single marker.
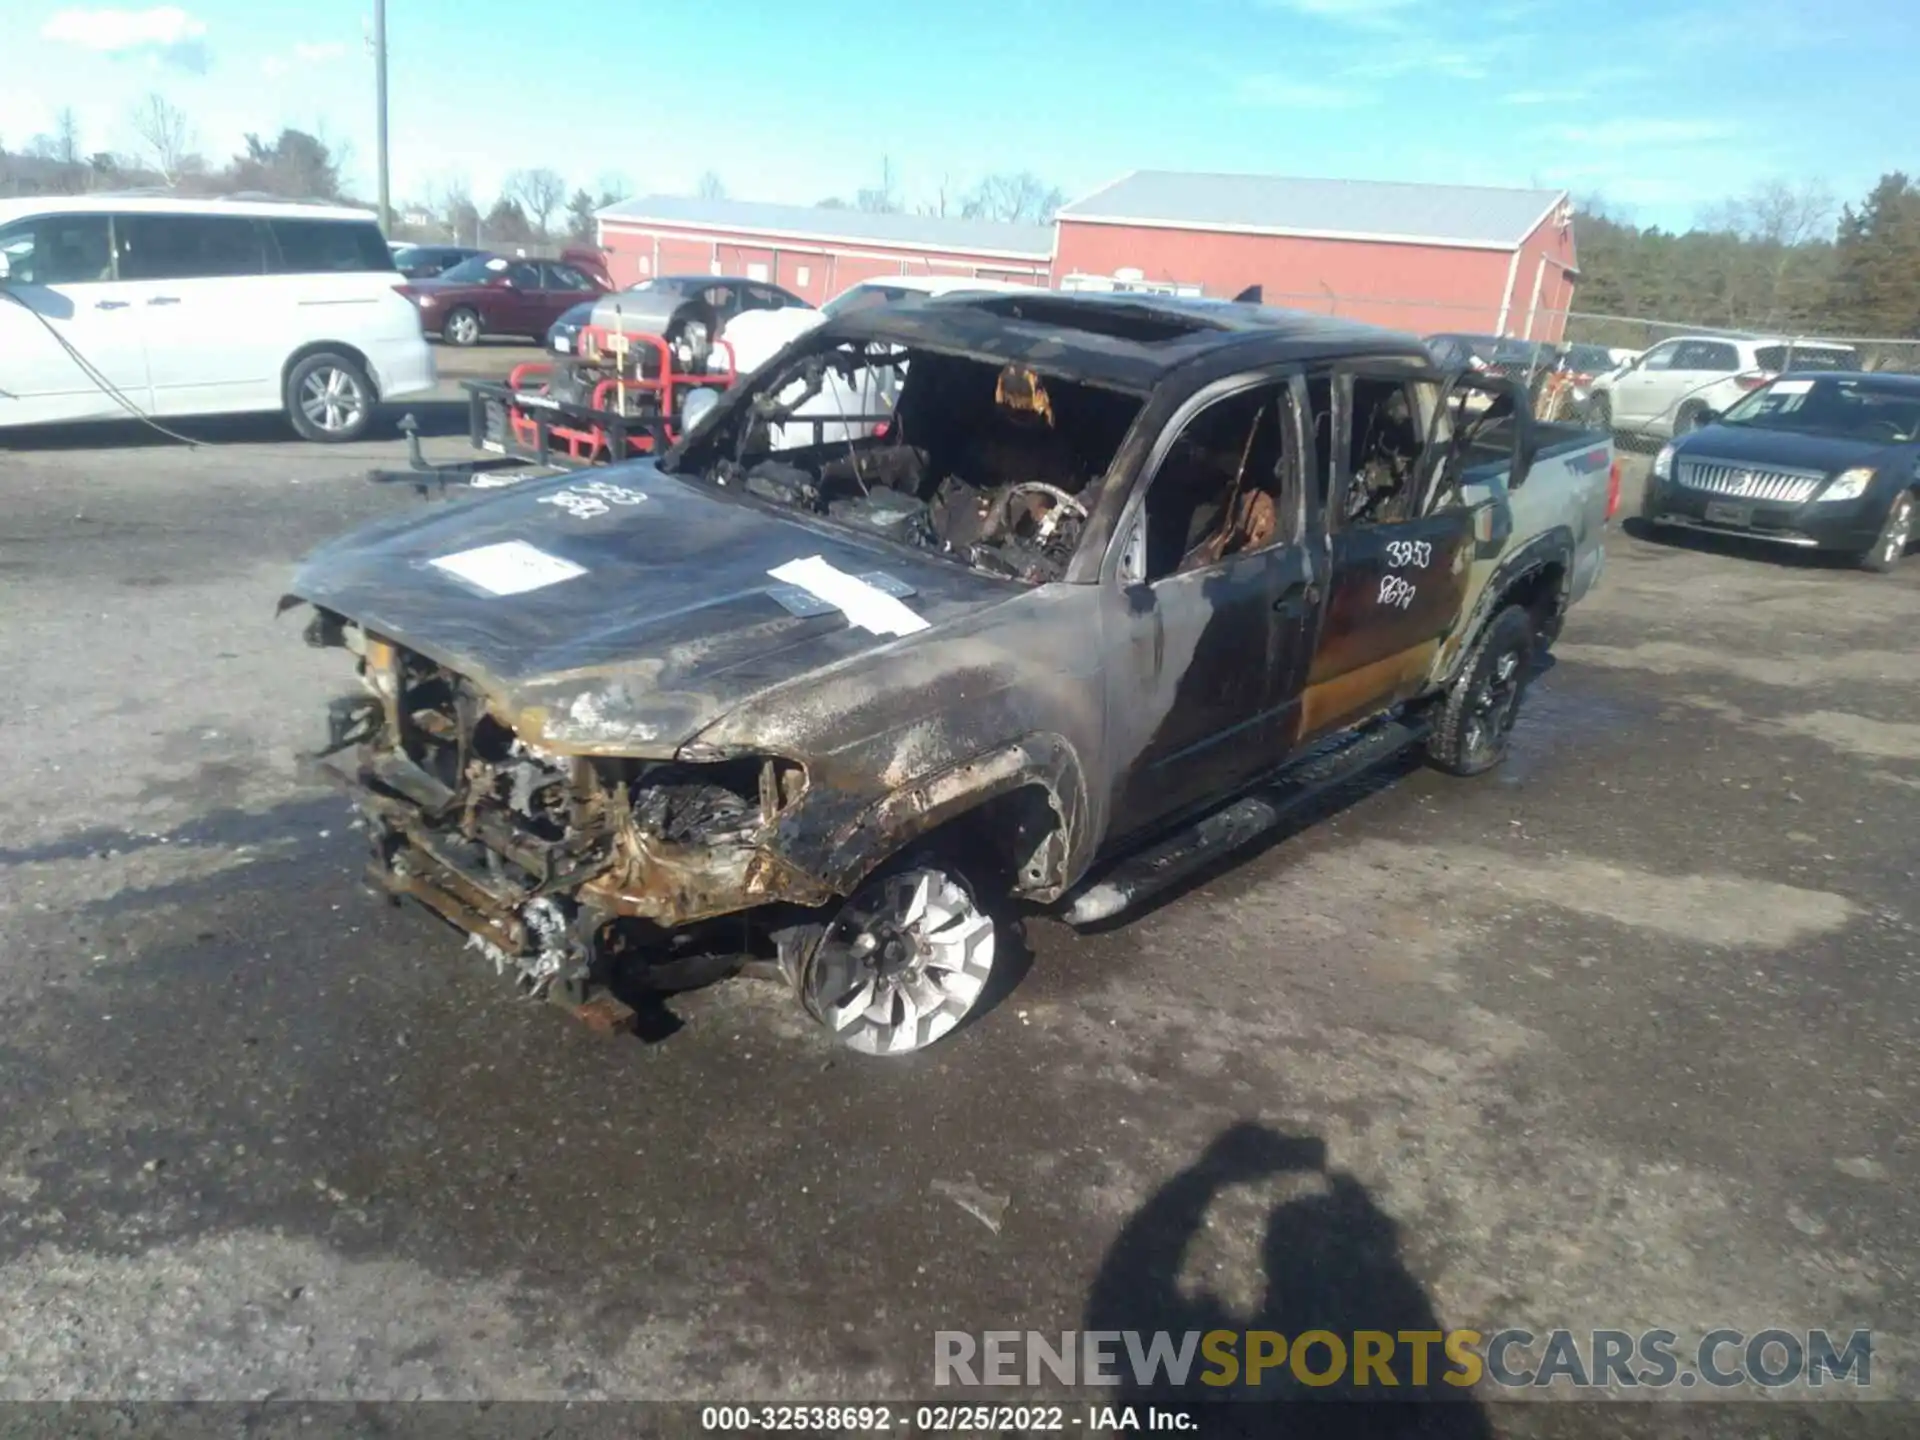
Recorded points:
(112, 306)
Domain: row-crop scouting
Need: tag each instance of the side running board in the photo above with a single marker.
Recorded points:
(1219, 832)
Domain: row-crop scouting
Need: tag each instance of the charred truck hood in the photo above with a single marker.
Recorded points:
(667, 619)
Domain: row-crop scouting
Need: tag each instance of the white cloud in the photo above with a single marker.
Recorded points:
(1635, 131)
(1280, 92)
(306, 54)
(163, 27)
(1368, 13)
(1454, 62)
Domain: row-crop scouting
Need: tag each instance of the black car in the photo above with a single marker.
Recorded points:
(1822, 460)
(423, 262)
(720, 297)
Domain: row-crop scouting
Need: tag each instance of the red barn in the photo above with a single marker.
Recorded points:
(813, 251)
(1425, 258)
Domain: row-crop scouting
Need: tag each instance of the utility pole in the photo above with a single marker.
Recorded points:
(380, 104)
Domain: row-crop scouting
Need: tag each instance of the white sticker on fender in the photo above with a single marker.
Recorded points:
(867, 606)
(512, 567)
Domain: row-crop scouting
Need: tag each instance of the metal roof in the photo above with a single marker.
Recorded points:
(1466, 215)
(814, 222)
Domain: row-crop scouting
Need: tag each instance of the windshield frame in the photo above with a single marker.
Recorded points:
(480, 265)
(1733, 419)
(1600, 353)
(698, 456)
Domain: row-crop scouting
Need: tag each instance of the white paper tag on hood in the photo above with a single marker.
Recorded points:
(867, 606)
(512, 567)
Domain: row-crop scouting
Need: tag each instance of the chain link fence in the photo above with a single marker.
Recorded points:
(1900, 355)
(1639, 375)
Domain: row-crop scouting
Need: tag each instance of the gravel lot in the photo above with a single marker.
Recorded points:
(1622, 1036)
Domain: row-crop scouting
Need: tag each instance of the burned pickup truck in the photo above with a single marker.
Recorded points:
(1093, 590)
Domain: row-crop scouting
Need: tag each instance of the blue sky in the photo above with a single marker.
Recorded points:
(1664, 108)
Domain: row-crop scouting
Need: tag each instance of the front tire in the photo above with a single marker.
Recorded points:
(905, 961)
(461, 327)
(329, 398)
(1890, 546)
(1471, 733)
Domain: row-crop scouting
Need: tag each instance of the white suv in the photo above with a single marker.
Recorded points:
(1668, 387)
(757, 335)
(116, 305)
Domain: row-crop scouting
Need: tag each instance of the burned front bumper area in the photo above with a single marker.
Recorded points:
(579, 876)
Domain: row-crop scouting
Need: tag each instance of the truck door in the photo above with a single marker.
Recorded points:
(1400, 545)
(1209, 602)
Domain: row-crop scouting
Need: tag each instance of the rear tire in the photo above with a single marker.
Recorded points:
(1475, 722)
(329, 398)
(462, 326)
(1890, 546)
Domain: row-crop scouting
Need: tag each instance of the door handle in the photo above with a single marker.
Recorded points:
(164, 300)
(109, 304)
(1298, 596)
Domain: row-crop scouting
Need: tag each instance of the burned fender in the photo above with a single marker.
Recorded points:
(1521, 573)
(1043, 863)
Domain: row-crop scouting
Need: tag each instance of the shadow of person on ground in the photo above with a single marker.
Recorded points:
(1331, 1262)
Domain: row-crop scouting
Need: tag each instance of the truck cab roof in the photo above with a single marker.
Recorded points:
(1124, 341)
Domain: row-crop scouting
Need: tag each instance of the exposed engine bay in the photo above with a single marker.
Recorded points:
(994, 465)
(556, 866)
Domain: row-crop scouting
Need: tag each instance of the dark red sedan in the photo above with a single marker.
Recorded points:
(489, 295)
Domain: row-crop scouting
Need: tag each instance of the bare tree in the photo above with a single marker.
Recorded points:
(66, 138)
(540, 193)
(62, 150)
(453, 210)
(1022, 199)
(937, 207)
(613, 187)
(163, 129)
(881, 199)
(1784, 214)
(710, 186)
(1785, 224)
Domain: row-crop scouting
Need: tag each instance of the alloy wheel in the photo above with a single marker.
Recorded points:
(1899, 529)
(332, 398)
(1495, 704)
(903, 963)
